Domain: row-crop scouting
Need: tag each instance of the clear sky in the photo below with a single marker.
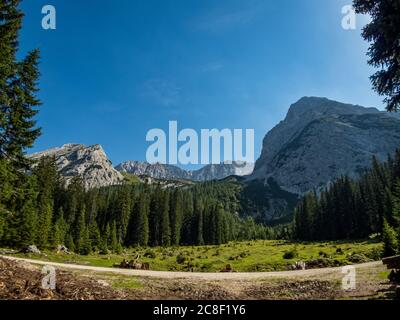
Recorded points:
(114, 69)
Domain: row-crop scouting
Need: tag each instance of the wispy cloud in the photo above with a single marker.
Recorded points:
(161, 92)
(228, 20)
(211, 67)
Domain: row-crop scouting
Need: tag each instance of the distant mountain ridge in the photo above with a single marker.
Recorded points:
(92, 165)
(317, 142)
(165, 171)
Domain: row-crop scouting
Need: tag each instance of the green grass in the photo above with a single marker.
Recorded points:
(242, 256)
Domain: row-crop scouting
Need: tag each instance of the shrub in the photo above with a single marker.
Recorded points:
(375, 254)
(358, 258)
(339, 251)
(323, 254)
(291, 254)
(150, 254)
(180, 258)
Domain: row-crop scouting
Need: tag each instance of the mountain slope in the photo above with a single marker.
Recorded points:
(319, 141)
(322, 139)
(89, 163)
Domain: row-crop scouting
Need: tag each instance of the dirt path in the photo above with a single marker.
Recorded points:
(198, 276)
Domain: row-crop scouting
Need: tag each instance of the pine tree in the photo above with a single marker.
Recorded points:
(69, 242)
(165, 222)
(389, 239)
(28, 225)
(105, 243)
(199, 233)
(156, 207)
(142, 222)
(60, 229)
(17, 89)
(384, 52)
(395, 217)
(47, 179)
(176, 218)
(94, 235)
(85, 246)
(80, 230)
(115, 244)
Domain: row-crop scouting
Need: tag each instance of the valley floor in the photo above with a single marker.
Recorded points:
(260, 272)
(22, 280)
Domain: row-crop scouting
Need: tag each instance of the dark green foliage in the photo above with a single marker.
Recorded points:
(291, 254)
(384, 52)
(353, 209)
(390, 245)
(85, 246)
(17, 89)
(36, 207)
(165, 222)
(180, 258)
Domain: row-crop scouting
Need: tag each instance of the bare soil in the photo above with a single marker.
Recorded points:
(22, 280)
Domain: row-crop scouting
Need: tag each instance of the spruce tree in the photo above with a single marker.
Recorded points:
(80, 230)
(85, 246)
(94, 235)
(142, 222)
(18, 88)
(384, 52)
(115, 244)
(176, 218)
(389, 239)
(165, 222)
(199, 224)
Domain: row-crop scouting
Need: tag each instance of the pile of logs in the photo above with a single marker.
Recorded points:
(133, 264)
(393, 263)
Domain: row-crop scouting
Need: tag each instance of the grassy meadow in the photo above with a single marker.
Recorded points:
(249, 256)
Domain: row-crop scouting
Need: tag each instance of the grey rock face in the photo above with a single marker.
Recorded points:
(223, 170)
(207, 173)
(89, 163)
(322, 139)
(157, 171)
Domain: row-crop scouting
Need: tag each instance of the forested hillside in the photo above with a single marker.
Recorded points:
(127, 215)
(354, 209)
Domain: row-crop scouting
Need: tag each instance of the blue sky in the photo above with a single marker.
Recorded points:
(114, 69)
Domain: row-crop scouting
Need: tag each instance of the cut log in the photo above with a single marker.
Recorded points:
(392, 262)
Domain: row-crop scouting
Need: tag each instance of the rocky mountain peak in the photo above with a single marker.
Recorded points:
(88, 162)
(314, 107)
(321, 139)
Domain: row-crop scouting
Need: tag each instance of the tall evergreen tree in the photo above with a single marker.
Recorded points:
(18, 88)
(176, 217)
(389, 239)
(384, 52)
(165, 222)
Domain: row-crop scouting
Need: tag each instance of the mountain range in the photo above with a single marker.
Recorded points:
(207, 173)
(317, 142)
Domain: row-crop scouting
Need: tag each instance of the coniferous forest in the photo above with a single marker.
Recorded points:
(355, 209)
(111, 218)
(36, 206)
